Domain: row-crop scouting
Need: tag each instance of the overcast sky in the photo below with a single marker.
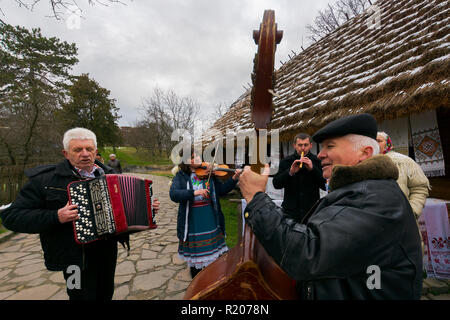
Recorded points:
(202, 49)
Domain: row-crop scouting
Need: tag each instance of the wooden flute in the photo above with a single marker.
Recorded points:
(301, 157)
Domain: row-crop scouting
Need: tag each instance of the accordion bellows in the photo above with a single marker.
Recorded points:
(111, 204)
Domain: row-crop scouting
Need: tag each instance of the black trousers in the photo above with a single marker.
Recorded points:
(97, 276)
(194, 272)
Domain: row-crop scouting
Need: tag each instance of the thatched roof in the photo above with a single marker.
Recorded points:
(400, 68)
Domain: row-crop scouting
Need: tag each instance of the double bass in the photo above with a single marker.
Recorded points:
(246, 271)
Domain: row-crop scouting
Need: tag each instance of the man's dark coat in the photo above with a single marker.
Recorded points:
(301, 191)
(35, 211)
(364, 223)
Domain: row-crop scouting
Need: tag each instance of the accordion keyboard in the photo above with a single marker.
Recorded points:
(84, 226)
(111, 204)
(91, 225)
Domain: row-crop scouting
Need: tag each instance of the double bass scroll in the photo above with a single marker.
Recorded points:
(267, 37)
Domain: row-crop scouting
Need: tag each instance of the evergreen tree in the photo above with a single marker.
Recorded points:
(34, 74)
(89, 106)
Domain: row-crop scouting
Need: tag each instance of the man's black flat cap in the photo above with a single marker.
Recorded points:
(363, 124)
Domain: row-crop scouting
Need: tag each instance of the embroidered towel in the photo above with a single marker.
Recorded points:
(436, 238)
(427, 143)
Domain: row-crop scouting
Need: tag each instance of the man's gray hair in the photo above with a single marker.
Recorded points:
(78, 133)
(359, 141)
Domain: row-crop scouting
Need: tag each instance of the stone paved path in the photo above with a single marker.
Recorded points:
(152, 270)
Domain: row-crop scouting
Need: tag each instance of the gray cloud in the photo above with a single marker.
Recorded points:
(198, 48)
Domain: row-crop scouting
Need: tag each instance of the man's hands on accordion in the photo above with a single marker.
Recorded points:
(69, 212)
(155, 205)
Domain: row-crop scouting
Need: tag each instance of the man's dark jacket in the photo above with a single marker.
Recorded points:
(365, 221)
(35, 211)
(301, 191)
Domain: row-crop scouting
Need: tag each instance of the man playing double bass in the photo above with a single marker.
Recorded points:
(361, 240)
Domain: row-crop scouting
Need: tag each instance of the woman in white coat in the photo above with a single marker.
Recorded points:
(411, 179)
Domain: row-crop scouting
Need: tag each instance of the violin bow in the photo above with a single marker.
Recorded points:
(212, 164)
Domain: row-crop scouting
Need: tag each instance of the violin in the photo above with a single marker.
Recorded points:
(220, 171)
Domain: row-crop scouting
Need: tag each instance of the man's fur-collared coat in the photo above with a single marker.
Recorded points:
(365, 222)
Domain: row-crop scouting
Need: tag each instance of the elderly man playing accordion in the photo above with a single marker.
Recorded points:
(42, 207)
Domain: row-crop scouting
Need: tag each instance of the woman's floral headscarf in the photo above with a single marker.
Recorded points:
(389, 145)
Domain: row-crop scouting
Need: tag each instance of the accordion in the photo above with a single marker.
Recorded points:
(111, 204)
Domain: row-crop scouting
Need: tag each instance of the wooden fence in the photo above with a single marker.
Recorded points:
(12, 179)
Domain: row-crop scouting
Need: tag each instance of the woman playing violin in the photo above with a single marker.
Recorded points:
(200, 222)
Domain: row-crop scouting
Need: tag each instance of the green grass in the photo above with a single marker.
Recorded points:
(230, 211)
(128, 156)
(2, 228)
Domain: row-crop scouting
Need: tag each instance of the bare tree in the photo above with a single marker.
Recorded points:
(334, 16)
(348, 9)
(164, 112)
(219, 111)
(139, 136)
(208, 120)
(154, 114)
(182, 111)
(60, 7)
